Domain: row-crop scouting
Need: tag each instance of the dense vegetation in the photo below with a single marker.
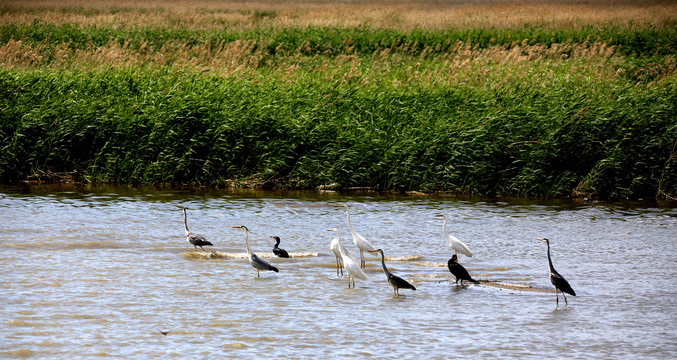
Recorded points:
(528, 111)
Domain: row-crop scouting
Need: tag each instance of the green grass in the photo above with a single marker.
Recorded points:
(144, 126)
(361, 40)
(490, 112)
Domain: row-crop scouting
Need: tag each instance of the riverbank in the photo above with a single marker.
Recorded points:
(545, 110)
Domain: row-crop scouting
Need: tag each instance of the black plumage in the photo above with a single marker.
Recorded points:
(277, 251)
(459, 271)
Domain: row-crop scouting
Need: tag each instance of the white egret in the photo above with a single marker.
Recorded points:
(395, 281)
(276, 250)
(194, 239)
(459, 271)
(255, 261)
(351, 266)
(455, 244)
(358, 239)
(334, 246)
(558, 280)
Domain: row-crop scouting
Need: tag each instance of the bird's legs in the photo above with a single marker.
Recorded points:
(203, 249)
(557, 297)
(565, 299)
(362, 264)
(349, 281)
(258, 273)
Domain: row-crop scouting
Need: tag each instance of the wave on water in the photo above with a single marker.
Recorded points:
(430, 264)
(404, 258)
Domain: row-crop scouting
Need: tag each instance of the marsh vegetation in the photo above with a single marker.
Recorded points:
(537, 98)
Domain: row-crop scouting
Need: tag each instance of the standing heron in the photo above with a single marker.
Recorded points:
(194, 239)
(350, 264)
(459, 271)
(395, 281)
(558, 280)
(255, 261)
(455, 244)
(358, 239)
(276, 250)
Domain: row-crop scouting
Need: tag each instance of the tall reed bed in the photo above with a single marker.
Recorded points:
(528, 137)
(528, 110)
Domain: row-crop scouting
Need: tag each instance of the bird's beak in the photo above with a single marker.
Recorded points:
(540, 239)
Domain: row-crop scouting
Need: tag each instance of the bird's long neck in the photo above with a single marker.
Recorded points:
(444, 225)
(246, 239)
(350, 225)
(550, 268)
(277, 242)
(185, 221)
(383, 263)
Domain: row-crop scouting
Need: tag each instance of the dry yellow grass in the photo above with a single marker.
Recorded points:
(403, 14)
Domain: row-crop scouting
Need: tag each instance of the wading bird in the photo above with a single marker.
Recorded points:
(459, 271)
(558, 280)
(255, 261)
(358, 239)
(351, 266)
(276, 250)
(395, 281)
(195, 239)
(455, 244)
(334, 246)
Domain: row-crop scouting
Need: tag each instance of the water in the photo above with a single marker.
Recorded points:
(95, 272)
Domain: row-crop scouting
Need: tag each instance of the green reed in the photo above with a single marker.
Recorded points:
(167, 127)
(531, 112)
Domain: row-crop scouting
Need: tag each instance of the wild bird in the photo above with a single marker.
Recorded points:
(194, 239)
(351, 266)
(455, 244)
(395, 281)
(255, 261)
(163, 332)
(276, 250)
(558, 280)
(358, 239)
(459, 271)
(334, 247)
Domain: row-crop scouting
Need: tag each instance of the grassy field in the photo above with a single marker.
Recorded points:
(536, 98)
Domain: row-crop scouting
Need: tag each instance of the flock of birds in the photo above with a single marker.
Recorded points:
(345, 261)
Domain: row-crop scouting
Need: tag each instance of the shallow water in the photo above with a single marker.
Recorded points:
(94, 272)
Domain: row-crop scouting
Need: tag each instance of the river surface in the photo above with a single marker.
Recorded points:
(95, 272)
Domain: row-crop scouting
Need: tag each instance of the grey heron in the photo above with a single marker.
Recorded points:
(560, 283)
(255, 261)
(395, 281)
(194, 239)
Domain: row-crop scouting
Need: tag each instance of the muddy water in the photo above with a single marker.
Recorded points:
(95, 272)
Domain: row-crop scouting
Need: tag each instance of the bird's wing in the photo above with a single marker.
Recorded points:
(458, 245)
(363, 244)
(562, 284)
